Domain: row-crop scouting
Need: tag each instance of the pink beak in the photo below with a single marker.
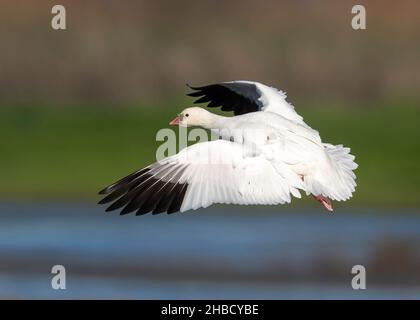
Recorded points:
(175, 122)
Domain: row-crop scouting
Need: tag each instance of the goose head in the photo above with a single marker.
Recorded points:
(193, 117)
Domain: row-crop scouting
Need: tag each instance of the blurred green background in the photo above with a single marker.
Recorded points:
(80, 108)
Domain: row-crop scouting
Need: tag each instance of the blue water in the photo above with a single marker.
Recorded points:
(216, 253)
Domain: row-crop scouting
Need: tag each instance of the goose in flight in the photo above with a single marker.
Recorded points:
(266, 155)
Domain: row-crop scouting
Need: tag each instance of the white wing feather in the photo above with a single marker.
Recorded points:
(274, 100)
(221, 172)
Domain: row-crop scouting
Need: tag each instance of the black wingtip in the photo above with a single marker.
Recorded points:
(103, 191)
(192, 87)
(145, 193)
(104, 200)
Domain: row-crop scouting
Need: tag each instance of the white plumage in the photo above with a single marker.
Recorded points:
(267, 155)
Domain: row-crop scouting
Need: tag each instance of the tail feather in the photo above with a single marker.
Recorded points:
(337, 179)
(342, 177)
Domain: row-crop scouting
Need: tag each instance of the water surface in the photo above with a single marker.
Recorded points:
(216, 253)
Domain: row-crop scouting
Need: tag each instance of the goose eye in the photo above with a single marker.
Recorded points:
(187, 115)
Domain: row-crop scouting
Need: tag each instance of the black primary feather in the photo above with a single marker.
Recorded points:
(239, 97)
(144, 191)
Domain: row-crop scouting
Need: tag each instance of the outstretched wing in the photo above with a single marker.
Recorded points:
(244, 97)
(200, 175)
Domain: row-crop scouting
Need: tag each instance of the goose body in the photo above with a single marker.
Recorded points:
(266, 155)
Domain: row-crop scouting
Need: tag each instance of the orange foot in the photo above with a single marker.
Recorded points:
(325, 202)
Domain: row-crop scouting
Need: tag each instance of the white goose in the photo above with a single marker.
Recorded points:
(266, 154)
